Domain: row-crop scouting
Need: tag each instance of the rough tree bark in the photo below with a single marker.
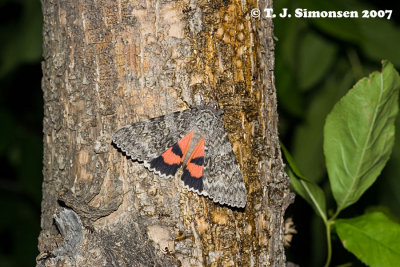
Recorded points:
(112, 63)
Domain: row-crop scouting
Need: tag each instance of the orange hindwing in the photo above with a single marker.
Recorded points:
(170, 161)
(193, 170)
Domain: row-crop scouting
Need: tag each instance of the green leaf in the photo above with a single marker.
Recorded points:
(388, 187)
(308, 136)
(383, 209)
(307, 189)
(349, 264)
(24, 39)
(359, 135)
(311, 192)
(288, 31)
(372, 237)
(382, 39)
(316, 57)
(289, 95)
(345, 29)
(291, 163)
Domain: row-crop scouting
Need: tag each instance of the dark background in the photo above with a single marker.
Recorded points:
(317, 61)
(21, 112)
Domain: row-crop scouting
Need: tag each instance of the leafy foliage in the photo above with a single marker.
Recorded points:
(358, 140)
(22, 24)
(307, 189)
(359, 135)
(372, 237)
(359, 46)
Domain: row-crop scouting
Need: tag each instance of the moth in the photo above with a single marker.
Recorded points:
(194, 138)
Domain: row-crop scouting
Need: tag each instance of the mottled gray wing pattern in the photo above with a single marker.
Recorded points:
(146, 140)
(222, 179)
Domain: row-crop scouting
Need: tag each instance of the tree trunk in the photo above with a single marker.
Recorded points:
(111, 63)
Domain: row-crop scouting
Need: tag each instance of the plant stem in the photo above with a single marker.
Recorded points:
(328, 241)
(339, 209)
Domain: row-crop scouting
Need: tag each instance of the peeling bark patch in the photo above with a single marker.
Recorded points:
(140, 253)
(70, 227)
(196, 21)
(161, 236)
(219, 217)
(202, 225)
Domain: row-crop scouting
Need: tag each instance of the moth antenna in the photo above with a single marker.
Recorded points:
(163, 142)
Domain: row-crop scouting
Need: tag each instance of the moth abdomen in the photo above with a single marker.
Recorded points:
(194, 138)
